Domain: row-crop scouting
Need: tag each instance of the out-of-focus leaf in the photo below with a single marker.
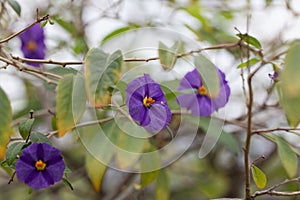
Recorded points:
(290, 85)
(121, 85)
(248, 63)
(12, 152)
(249, 40)
(259, 177)
(68, 26)
(15, 6)
(80, 45)
(209, 74)
(95, 170)
(168, 55)
(25, 127)
(70, 103)
(5, 122)
(102, 70)
(162, 187)
(148, 177)
(37, 137)
(287, 156)
(115, 33)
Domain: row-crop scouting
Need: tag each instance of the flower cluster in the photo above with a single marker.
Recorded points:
(40, 166)
(33, 44)
(148, 106)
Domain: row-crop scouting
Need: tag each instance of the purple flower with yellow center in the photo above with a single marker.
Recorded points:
(147, 103)
(40, 166)
(33, 44)
(200, 102)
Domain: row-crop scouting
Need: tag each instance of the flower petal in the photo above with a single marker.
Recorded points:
(190, 80)
(160, 116)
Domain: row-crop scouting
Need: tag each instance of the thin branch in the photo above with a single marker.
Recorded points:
(271, 190)
(89, 123)
(274, 129)
(38, 20)
(49, 61)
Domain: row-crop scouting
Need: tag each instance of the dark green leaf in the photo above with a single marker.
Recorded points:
(5, 122)
(290, 85)
(67, 182)
(15, 6)
(209, 74)
(287, 156)
(162, 187)
(248, 63)
(102, 70)
(249, 40)
(259, 177)
(12, 152)
(44, 24)
(37, 137)
(25, 127)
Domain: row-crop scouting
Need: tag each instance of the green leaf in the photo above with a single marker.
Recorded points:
(68, 26)
(12, 152)
(70, 102)
(290, 85)
(249, 40)
(248, 63)
(25, 127)
(37, 137)
(209, 75)
(95, 170)
(115, 33)
(168, 55)
(5, 122)
(287, 156)
(80, 45)
(162, 187)
(67, 182)
(102, 70)
(15, 6)
(259, 177)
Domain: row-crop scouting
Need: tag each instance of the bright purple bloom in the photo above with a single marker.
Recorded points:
(40, 166)
(147, 103)
(33, 44)
(200, 102)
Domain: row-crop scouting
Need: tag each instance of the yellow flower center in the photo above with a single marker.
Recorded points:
(40, 165)
(202, 90)
(148, 101)
(31, 45)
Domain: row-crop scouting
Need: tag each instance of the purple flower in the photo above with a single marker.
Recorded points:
(40, 166)
(33, 44)
(147, 104)
(200, 102)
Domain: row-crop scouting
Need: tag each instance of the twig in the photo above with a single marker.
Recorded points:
(38, 20)
(271, 190)
(89, 123)
(49, 61)
(274, 129)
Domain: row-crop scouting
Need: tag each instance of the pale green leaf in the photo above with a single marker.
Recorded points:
(162, 187)
(5, 122)
(37, 137)
(95, 170)
(287, 156)
(102, 70)
(70, 102)
(290, 85)
(168, 55)
(148, 177)
(12, 152)
(259, 177)
(209, 75)
(115, 33)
